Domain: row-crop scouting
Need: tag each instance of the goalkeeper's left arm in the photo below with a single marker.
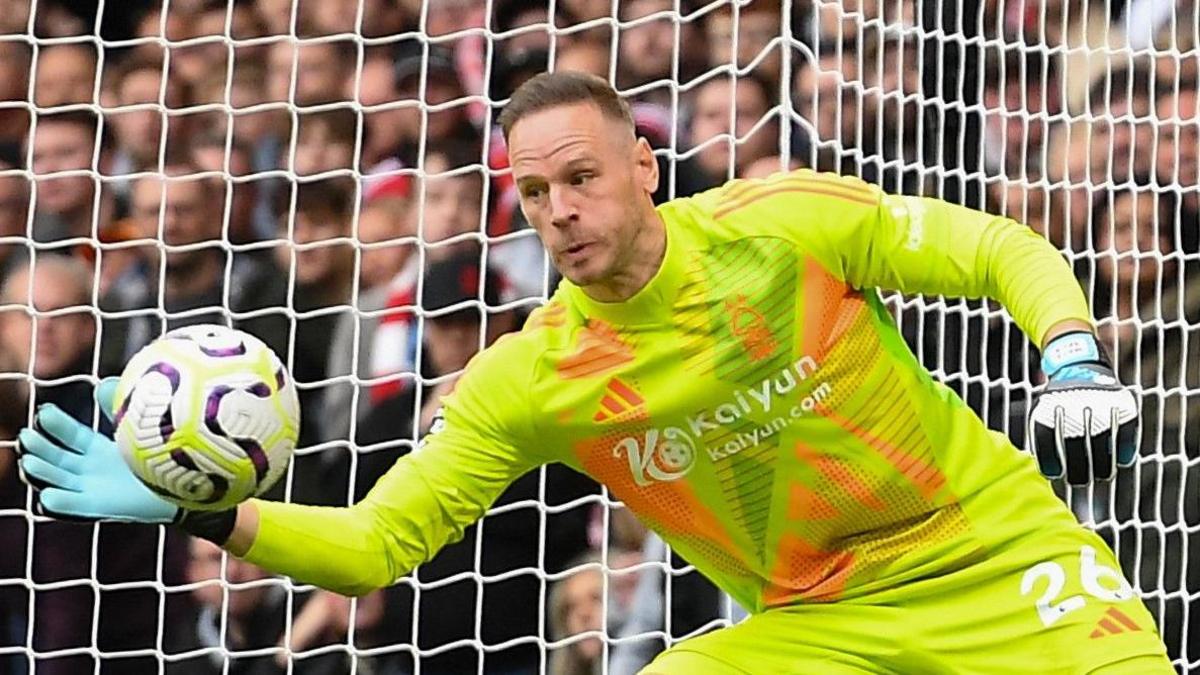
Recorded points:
(1083, 421)
(424, 502)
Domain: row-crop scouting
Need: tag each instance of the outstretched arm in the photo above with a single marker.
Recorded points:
(424, 502)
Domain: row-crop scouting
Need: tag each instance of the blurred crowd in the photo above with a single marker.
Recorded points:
(326, 174)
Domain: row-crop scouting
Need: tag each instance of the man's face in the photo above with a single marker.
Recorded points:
(646, 48)
(1130, 237)
(62, 146)
(212, 158)
(439, 89)
(65, 74)
(755, 32)
(379, 264)
(823, 92)
(320, 75)
(453, 205)
(712, 119)
(1179, 141)
(205, 566)
(582, 181)
(317, 152)
(192, 214)
(139, 130)
(583, 596)
(1122, 139)
(322, 263)
(60, 338)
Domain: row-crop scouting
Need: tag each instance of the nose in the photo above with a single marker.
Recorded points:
(563, 211)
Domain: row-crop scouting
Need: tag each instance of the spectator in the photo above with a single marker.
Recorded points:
(194, 282)
(577, 605)
(15, 58)
(1122, 134)
(66, 74)
(324, 71)
(65, 206)
(1178, 152)
(585, 56)
(138, 132)
(443, 89)
(247, 212)
(388, 124)
(646, 48)
(242, 610)
(758, 24)
(453, 337)
(58, 345)
(386, 340)
(325, 142)
(320, 258)
(251, 609)
(824, 95)
(727, 150)
(1021, 89)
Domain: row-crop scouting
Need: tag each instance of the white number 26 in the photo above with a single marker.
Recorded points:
(1100, 581)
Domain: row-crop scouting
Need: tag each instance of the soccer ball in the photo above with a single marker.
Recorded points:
(206, 417)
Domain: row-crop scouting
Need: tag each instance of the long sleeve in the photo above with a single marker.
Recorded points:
(424, 502)
(917, 245)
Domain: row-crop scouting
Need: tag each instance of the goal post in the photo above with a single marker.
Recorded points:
(326, 173)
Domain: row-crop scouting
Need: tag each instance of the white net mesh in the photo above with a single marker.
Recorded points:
(327, 175)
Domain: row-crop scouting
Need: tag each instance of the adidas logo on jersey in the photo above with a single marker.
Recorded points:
(1114, 622)
(619, 399)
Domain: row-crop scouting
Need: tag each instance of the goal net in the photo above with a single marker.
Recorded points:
(328, 175)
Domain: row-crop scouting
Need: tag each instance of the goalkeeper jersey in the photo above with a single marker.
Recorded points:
(754, 404)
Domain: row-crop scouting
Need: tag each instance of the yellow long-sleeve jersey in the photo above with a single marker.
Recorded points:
(754, 404)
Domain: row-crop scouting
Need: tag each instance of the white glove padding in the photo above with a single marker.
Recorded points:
(1084, 423)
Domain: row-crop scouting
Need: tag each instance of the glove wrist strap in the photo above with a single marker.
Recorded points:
(215, 526)
(1069, 349)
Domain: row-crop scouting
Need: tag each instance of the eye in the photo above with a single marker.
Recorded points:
(533, 192)
(581, 178)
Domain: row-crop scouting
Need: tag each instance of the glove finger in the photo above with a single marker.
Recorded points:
(106, 394)
(48, 474)
(66, 430)
(34, 443)
(1126, 442)
(1046, 451)
(1100, 449)
(1079, 461)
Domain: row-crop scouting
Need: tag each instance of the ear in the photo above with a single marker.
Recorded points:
(647, 166)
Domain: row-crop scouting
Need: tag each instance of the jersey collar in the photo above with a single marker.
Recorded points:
(654, 301)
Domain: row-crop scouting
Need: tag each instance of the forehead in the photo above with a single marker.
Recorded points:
(561, 133)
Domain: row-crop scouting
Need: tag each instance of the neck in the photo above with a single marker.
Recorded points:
(640, 265)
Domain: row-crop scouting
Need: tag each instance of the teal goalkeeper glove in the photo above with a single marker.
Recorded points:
(1083, 421)
(80, 475)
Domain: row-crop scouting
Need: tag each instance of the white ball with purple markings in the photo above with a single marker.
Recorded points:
(206, 416)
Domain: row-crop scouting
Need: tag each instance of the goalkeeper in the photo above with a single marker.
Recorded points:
(724, 365)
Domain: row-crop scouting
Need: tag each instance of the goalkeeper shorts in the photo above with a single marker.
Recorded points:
(1056, 604)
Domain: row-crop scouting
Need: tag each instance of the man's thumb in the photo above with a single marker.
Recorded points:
(106, 391)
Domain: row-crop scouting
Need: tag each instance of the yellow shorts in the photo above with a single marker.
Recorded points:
(1058, 605)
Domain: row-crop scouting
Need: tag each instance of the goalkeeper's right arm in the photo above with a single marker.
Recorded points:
(424, 502)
